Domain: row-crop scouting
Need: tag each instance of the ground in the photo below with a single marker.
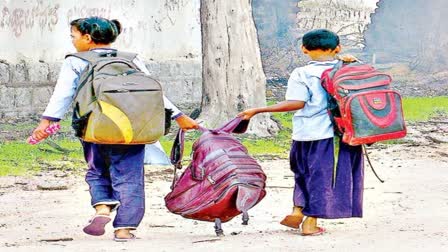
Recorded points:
(406, 213)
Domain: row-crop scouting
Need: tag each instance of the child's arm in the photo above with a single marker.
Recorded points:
(60, 100)
(283, 106)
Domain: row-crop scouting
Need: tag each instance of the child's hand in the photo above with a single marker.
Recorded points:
(39, 133)
(185, 122)
(248, 114)
(348, 58)
(43, 130)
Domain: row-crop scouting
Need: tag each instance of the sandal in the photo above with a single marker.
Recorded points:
(96, 225)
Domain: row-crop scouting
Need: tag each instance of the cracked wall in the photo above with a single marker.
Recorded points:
(35, 36)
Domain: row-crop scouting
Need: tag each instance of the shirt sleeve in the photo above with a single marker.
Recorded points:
(168, 104)
(297, 89)
(63, 93)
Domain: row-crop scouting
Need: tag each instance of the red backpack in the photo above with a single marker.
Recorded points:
(221, 181)
(362, 106)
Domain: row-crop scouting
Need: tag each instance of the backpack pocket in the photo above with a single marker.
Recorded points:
(127, 117)
(79, 123)
(373, 116)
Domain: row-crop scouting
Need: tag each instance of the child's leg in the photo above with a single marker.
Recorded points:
(352, 157)
(297, 211)
(100, 188)
(103, 209)
(127, 175)
(98, 178)
(295, 218)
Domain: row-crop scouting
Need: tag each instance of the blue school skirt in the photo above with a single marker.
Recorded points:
(323, 189)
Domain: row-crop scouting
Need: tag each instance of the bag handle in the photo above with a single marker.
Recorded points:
(177, 151)
(229, 126)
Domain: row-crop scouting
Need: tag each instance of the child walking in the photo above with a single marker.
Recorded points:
(321, 190)
(115, 172)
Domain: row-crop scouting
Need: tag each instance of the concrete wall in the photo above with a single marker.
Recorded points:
(35, 36)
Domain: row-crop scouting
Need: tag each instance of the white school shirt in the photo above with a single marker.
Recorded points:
(68, 81)
(312, 122)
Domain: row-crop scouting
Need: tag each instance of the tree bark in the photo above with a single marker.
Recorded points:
(233, 77)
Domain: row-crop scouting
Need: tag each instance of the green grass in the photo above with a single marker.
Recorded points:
(19, 158)
(417, 109)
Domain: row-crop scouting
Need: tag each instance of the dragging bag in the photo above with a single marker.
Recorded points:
(222, 180)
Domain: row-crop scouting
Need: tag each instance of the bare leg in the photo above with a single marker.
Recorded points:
(103, 210)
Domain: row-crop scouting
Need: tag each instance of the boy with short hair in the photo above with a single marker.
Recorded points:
(321, 189)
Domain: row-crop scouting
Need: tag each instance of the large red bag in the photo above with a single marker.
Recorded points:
(363, 107)
(222, 180)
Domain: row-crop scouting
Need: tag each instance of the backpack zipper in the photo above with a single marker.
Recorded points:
(363, 77)
(129, 91)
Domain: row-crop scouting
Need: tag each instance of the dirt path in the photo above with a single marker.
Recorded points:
(407, 213)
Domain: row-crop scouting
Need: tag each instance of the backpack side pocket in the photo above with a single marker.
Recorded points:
(79, 123)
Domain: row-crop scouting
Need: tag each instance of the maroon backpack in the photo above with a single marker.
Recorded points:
(361, 104)
(221, 181)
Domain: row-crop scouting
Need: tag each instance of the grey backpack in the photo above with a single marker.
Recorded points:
(115, 102)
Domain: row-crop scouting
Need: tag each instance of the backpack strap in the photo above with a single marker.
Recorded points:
(177, 151)
(236, 125)
(89, 56)
(93, 57)
(364, 150)
(126, 55)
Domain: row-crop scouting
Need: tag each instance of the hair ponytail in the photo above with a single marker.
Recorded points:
(101, 30)
(117, 26)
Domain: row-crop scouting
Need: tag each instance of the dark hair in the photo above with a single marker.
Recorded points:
(320, 39)
(102, 31)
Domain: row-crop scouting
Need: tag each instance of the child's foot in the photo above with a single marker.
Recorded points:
(309, 227)
(96, 225)
(319, 231)
(123, 235)
(293, 220)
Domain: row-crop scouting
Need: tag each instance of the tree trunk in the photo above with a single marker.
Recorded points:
(233, 77)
